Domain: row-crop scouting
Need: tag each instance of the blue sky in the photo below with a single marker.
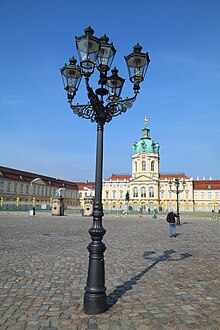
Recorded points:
(180, 94)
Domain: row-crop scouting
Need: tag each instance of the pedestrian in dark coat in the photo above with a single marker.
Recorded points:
(172, 222)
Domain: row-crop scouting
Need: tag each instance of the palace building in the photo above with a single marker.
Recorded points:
(145, 188)
(20, 190)
(150, 189)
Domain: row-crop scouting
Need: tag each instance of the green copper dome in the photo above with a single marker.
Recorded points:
(146, 144)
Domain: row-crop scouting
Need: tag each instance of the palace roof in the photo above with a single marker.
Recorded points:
(18, 175)
(85, 184)
(119, 177)
(173, 176)
(206, 184)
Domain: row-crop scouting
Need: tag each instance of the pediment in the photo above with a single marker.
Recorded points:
(144, 178)
(38, 181)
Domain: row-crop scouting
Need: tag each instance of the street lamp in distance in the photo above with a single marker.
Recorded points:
(177, 191)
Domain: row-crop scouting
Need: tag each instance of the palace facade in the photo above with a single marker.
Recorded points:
(145, 188)
(148, 189)
(20, 190)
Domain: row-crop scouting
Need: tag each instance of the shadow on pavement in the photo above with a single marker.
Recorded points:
(120, 290)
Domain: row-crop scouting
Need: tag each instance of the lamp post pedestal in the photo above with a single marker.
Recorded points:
(95, 290)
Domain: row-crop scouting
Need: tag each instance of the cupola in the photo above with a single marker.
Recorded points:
(146, 144)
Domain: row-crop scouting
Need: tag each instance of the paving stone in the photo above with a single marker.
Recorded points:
(152, 282)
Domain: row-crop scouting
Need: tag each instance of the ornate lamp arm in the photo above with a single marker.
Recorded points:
(177, 191)
(118, 107)
(83, 111)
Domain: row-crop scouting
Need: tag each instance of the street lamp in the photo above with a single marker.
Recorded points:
(177, 191)
(104, 104)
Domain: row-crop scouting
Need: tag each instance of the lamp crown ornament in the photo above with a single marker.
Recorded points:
(137, 48)
(89, 31)
(104, 39)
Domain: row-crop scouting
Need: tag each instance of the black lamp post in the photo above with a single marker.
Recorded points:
(104, 103)
(177, 191)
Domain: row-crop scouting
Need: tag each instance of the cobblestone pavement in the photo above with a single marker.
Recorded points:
(153, 281)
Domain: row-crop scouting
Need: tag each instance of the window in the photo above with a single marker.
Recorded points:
(107, 194)
(170, 195)
(16, 187)
(34, 190)
(42, 191)
(152, 166)
(114, 194)
(209, 195)
(121, 194)
(27, 189)
(202, 195)
(135, 192)
(9, 186)
(135, 166)
(143, 164)
(22, 187)
(216, 194)
(38, 190)
(187, 194)
(195, 194)
(1, 186)
(143, 192)
(162, 194)
(151, 192)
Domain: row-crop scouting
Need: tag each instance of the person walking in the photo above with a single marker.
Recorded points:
(154, 214)
(172, 222)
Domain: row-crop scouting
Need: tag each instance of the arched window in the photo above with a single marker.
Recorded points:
(143, 192)
(135, 192)
(135, 166)
(152, 166)
(151, 192)
(107, 194)
(143, 166)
